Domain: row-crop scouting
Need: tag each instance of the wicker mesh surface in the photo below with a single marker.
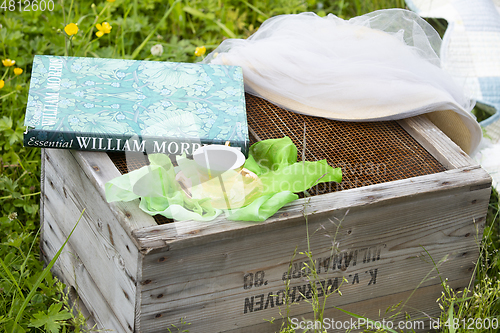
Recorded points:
(368, 152)
(130, 161)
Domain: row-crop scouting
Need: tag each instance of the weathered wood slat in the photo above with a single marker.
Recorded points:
(430, 228)
(436, 142)
(72, 194)
(208, 279)
(100, 169)
(223, 315)
(421, 307)
(71, 271)
(242, 306)
(104, 248)
(186, 234)
(42, 191)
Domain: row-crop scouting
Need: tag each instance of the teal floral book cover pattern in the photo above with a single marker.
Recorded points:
(131, 105)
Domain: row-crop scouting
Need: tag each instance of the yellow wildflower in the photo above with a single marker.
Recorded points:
(104, 28)
(200, 50)
(110, 0)
(8, 62)
(2, 84)
(71, 29)
(18, 71)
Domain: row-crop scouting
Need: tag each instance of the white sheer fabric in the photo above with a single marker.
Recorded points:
(379, 66)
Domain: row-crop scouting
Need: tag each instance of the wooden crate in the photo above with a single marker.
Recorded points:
(135, 275)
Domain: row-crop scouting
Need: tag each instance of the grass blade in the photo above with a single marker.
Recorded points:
(226, 29)
(42, 276)
(151, 34)
(255, 9)
(197, 13)
(367, 320)
(6, 269)
(451, 318)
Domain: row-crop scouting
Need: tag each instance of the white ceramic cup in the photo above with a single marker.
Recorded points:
(219, 168)
(214, 160)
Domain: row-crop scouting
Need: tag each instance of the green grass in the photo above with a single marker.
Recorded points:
(179, 27)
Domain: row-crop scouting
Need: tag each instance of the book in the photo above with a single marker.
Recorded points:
(132, 105)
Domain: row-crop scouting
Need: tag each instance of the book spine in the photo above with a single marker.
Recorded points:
(118, 143)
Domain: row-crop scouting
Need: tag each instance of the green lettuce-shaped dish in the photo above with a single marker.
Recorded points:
(274, 163)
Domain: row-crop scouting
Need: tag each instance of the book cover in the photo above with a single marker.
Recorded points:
(131, 105)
